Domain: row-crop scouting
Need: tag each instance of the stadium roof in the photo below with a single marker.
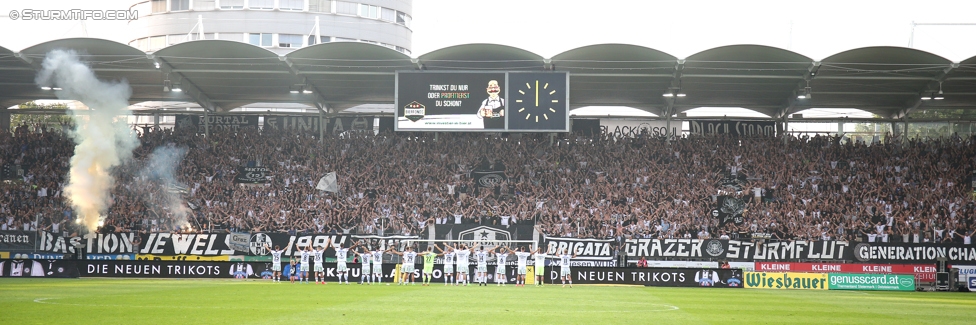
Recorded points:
(222, 75)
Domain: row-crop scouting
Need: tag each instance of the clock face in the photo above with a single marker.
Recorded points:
(538, 102)
(533, 107)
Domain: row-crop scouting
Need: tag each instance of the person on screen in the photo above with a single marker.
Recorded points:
(493, 109)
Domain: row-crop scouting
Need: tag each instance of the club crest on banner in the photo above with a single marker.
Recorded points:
(714, 247)
(258, 241)
(488, 178)
(729, 210)
(484, 235)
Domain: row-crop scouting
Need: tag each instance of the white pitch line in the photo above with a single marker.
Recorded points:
(47, 302)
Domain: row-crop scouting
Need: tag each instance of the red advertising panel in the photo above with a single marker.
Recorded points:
(922, 272)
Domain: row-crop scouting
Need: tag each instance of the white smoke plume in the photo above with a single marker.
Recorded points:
(102, 140)
(160, 172)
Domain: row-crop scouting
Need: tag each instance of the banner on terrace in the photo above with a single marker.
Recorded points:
(333, 125)
(217, 122)
(239, 241)
(626, 128)
(732, 127)
(14, 240)
(485, 235)
(584, 249)
(252, 175)
(190, 247)
(738, 250)
(111, 243)
(729, 210)
(914, 253)
(489, 178)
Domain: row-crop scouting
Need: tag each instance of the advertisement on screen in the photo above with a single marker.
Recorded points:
(482, 101)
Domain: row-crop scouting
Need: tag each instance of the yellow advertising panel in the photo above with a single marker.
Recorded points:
(786, 280)
(396, 274)
(187, 258)
(530, 274)
(4, 255)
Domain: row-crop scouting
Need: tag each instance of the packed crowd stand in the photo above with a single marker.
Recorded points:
(806, 188)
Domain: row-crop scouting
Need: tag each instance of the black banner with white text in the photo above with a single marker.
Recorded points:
(15, 240)
(584, 249)
(252, 175)
(334, 125)
(657, 277)
(914, 253)
(217, 122)
(168, 244)
(745, 128)
(738, 250)
(41, 244)
(486, 235)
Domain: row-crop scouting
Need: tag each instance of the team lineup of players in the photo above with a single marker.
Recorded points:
(459, 256)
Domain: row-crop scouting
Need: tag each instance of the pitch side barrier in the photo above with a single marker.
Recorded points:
(250, 247)
(829, 281)
(921, 272)
(666, 277)
(662, 277)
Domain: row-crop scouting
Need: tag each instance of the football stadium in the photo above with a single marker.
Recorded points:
(282, 161)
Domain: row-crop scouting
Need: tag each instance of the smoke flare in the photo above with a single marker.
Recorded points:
(160, 171)
(102, 140)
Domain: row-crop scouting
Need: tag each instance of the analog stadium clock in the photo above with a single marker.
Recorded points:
(537, 102)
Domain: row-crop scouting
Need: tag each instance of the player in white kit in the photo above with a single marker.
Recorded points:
(449, 255)
(378, 265)
(341, 255)
(463, 256)
(318, 268)
(303, 264)
(407, 266)
(364, 258)
(501, 257)
(540, 265)
(564, 274)
(523, 258)
(481, 257)
(276, 261)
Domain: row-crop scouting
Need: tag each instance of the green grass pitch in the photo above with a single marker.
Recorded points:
(128, 301)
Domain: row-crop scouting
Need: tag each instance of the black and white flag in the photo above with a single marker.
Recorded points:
(729, 209)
